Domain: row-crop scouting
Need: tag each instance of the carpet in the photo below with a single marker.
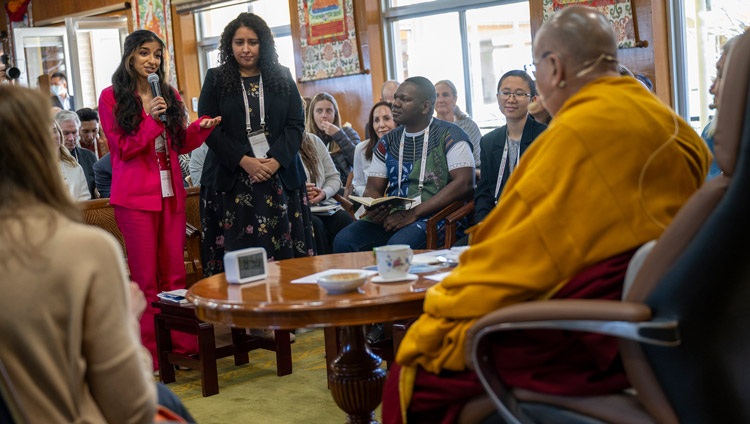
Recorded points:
(253, 393)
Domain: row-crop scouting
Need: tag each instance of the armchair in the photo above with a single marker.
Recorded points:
(682, 326)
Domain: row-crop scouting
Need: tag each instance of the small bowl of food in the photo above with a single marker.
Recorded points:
(342, 282)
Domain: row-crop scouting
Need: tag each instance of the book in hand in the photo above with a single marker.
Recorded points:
(174, 296)
(392, 201)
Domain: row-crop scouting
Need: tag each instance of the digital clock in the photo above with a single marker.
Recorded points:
(245, 265)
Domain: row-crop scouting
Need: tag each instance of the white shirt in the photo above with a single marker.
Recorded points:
(361, 168)
(75, 180)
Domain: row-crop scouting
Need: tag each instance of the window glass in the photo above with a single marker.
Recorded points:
(708, 26)
(398, 3)
(418, 42)
(210, 24)
(499, 40)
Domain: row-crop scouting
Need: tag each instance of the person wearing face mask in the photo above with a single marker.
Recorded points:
(58, 85)
(70, 125)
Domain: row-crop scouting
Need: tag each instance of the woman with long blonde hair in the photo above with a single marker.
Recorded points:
(324, 120)
(71, 171)
(67, 315)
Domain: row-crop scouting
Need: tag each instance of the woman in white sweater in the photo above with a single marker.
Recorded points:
(72, 173)
(323, 182)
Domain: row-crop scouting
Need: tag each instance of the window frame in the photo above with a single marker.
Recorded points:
(392, 14)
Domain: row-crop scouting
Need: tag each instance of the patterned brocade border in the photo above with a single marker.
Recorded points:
(328, 39)
(619, 13)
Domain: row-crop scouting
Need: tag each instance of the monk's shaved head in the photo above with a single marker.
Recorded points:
(580, 34)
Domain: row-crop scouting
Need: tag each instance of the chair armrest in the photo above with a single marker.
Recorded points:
(451, 222)
(345, 203)
(609, 317)
(432, 230)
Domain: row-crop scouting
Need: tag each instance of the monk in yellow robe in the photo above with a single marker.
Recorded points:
(608, 175)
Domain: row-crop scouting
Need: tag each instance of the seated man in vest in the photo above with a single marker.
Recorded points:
(608, 175)
(424, 159)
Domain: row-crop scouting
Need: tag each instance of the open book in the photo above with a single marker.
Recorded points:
(393, 201)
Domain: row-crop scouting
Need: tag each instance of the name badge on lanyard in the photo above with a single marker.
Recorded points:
(257, 139)
(425, 142)
(166, 183)
(165, 175)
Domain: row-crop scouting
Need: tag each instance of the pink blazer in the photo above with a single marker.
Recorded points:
(136, 183)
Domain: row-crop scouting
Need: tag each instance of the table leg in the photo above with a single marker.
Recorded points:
(356, 379)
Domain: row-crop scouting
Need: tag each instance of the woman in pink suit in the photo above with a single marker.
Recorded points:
(145, 134)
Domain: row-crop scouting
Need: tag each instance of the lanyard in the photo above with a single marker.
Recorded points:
(425, 142)
(501, 171)
(248, 126)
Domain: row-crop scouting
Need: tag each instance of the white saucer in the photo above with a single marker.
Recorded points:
(380, 280)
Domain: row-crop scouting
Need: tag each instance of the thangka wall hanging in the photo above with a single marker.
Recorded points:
(328, 39)
(156, 16)
(619, 13)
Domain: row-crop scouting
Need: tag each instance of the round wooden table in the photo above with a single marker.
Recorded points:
(356, 379)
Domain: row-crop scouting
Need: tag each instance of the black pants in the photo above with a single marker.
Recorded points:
(326, 227)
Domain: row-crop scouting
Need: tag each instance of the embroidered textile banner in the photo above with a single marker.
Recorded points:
(619, 13)
(156, 16)
(328, 39)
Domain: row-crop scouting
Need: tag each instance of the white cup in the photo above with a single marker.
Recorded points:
(393, 261)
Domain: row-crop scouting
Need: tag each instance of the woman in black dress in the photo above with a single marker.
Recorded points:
(253, 182)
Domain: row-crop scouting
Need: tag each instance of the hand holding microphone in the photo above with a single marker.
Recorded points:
(158, 105)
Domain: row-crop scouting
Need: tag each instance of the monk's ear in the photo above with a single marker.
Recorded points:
(557, 74)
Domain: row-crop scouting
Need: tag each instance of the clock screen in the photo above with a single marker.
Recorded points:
(250, 265)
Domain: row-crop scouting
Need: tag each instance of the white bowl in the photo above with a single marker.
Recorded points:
(342, 282)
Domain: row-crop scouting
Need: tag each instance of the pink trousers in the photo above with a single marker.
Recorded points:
(155, 242)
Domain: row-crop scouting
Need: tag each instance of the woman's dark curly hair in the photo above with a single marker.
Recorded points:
(125, 84)
(229, 71)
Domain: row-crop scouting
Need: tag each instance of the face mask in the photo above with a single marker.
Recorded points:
(57, 90)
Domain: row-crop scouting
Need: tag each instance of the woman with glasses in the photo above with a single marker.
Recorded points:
(502, 148)
(446, 109)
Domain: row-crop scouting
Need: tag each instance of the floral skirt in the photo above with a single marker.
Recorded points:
(262, 214)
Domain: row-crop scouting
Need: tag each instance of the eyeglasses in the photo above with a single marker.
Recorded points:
(536, 63)
(505, 95)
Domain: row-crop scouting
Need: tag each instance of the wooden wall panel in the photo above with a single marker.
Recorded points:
(652, 60)
(46, 12)
(186, 59)
(355, 94)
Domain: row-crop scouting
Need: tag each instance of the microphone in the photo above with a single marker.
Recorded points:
(153, 80)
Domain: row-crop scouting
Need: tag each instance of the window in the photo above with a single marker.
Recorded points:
(210, 23)
(471, 43)
(708, 25)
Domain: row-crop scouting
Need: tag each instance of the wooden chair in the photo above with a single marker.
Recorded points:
(344, 201)
(99, 213)
(193, 263)
(452, 213)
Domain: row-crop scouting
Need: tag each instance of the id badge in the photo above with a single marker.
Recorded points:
(259, 143)
(416, 201)
(166, 184)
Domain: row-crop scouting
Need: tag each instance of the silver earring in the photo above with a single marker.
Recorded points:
(561, 84)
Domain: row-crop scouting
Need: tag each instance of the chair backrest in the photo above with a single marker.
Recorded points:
(192, 206)
(699, 274)
(101, 214)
